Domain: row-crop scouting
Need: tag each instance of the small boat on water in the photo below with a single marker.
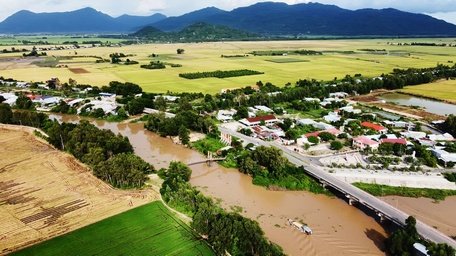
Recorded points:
(301, 227)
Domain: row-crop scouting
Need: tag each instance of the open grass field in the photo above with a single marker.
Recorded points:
(442, 90)
(147, 230)
(45, 193)
(340, 57)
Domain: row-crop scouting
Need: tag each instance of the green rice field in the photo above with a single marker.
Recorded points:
(340, 57)
(147, 230)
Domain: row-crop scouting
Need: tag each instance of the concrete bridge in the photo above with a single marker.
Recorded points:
(209, 160)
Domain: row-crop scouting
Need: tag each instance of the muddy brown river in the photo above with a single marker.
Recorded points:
(338, 229)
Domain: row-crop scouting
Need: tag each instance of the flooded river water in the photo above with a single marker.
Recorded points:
(432, 106)
(339, 229)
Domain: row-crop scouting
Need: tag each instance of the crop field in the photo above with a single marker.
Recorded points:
(369, 57)
(45, 193)
(442, 90)
(147, 230)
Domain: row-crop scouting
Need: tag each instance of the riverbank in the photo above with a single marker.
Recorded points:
(442, 90)
(339, 229)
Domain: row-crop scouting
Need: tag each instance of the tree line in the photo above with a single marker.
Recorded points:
(110, 156)
(226, 232)
(220, 74)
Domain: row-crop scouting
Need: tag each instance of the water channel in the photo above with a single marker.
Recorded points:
(339, 229)
(432, 106)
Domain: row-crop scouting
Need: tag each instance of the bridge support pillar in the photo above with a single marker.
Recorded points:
(381, 217)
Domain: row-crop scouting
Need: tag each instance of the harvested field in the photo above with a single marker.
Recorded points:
(78, 70)
(45, 193)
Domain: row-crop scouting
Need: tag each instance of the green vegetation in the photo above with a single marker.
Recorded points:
(220, 74)
(146, 230)
(269, 168)
(384, 190)
(198, 32)
(208, 144)
(154, 65)
(226, 231)
(451, 176)
(450, 125)
(286, 52)
(287, 60)
(401, 242)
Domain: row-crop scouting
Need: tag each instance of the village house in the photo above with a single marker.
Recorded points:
(333, 131)
(444, 156)
(225, 115)
(414, 135)
(399, 124)
(253, 121)
(401, 141)
(375, 127)
(350, 109)
(10, 98)
(332, 117)
(364, 142)
(340, 95)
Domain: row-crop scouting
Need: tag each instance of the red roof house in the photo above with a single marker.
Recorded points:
(373, 126)
(268, 119)
(394, 141)
(364, 142)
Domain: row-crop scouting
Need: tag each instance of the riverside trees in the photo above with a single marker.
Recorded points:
(225, 231)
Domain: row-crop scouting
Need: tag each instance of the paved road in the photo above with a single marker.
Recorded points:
(365, 198)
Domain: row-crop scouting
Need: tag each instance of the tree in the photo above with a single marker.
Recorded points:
(440, 250)
(123, 171)
(326, 136)
(184, 135)
(23, 102)
(401, 241)
(160, 103)
(292, 134)
(336, 145)
(6, 114)
(2, 99)
(180, 51)
(135, 107)
(242, 112)
(313, 140)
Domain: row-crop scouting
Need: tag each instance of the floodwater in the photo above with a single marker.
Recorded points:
(439, 214)
(339, 229)
(432, 106)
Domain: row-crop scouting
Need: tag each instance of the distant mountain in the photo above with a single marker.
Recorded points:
(199, 31)
(272, 18)
(267, 18)
(178, 23)
(85, 20)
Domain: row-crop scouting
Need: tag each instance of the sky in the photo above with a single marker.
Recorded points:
(442, 9)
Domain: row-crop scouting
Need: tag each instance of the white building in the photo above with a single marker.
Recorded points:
(444, 156)
(332, 117)
(10, 98)
(414, 135)
(350, 109)
(338, 95)
(264, 109)
(306, 121)
(225, 115)
(441, 137)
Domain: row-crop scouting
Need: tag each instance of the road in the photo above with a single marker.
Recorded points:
(359, 195)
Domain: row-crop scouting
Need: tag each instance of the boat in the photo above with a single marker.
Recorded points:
(300, 227)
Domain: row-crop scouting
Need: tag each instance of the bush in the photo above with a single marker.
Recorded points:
(336, 145)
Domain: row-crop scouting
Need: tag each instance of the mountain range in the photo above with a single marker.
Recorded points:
(267, 18)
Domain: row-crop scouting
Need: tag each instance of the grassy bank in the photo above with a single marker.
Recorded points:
(146, 230)
(384, 190)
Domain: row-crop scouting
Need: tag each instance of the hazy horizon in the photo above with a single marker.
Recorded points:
(441, 9)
